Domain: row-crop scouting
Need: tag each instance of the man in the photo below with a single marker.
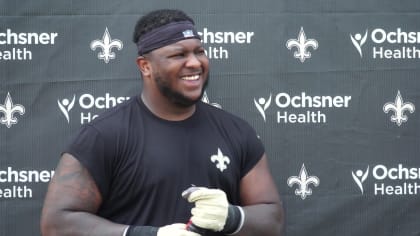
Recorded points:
(125, 172)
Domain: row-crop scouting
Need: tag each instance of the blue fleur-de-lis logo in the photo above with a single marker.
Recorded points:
(9, 110)
(303, 181)
(302, 44)
(262, 105)
(399, 107)
(221, 160)
(106, 44)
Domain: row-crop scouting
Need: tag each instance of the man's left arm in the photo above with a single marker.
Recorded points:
(261, 202)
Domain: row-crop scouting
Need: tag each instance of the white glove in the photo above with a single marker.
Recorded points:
(211, 208)
(175, 230)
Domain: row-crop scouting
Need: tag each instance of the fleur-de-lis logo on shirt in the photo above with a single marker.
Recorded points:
(221, 160)
(399, 107)
(106, 44)
(302, 44)
(9, 110)
(303, 181)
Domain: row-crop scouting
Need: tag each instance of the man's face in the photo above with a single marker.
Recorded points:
(180, 71)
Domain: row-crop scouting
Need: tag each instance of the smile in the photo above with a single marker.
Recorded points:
(192, 77)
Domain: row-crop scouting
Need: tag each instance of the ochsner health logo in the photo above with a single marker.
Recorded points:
(389, 180)
(358, 40)
(88, 105)
(359, 177)
(262, 105)
(218, 43)
(387, 43)
(65, 106)
(300, 108)
(19, 45)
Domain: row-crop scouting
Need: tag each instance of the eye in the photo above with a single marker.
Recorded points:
(201, 51)
(177, 55)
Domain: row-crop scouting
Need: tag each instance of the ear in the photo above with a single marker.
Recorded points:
(144, 66)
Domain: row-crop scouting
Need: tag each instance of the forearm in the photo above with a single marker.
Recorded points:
(72, 223)
(263, 219)
(87, 224)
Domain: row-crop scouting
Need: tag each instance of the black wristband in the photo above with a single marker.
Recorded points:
(194, 228)
(233, 221)
(142, 231)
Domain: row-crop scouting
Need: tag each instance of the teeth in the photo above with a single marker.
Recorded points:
(192, 77)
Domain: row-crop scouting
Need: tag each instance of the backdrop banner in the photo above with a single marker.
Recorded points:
(332, 88)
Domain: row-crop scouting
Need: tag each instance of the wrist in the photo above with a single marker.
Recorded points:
(234, 221)
(140, 231)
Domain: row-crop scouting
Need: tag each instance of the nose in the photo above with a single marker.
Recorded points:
(193, 61)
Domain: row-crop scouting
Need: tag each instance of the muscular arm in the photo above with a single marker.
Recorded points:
(71, 203)
(261, 203)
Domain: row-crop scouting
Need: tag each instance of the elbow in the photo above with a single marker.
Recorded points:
(49, 223)
(277, 223)
(281, 220)
(46, 225)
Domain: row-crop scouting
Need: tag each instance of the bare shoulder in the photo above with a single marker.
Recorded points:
(72, 187)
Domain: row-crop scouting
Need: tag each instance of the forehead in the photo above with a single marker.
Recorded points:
(186, 44)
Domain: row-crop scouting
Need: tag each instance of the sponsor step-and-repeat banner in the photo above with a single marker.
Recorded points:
(332, 88)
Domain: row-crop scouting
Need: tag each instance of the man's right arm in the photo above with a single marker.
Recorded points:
(71, 202)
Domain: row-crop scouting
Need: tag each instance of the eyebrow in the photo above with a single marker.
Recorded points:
(178, 48)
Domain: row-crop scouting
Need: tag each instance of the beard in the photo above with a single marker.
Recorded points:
(176, 97)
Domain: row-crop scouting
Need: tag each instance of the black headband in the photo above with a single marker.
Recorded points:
(165, 35)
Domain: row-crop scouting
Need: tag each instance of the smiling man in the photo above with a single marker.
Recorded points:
(126, 172)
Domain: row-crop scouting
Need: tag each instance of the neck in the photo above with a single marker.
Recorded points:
(167, 110)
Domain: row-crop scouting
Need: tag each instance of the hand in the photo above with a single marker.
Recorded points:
(175, 230)
(211, 208)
